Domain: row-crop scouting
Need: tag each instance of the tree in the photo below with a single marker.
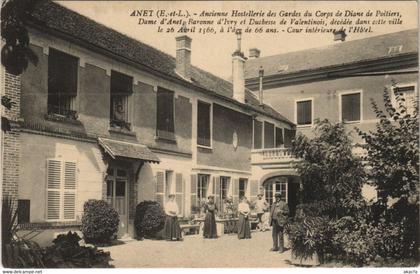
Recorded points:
(393, 150)
(16, 53)
(331, 176)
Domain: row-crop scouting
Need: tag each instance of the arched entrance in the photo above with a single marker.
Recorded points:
(286, 185)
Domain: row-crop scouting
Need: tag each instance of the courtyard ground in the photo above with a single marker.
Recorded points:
(194, 251)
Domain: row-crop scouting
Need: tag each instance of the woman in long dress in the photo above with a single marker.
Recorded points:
(172, 228)
(244, 226)
(210, 208)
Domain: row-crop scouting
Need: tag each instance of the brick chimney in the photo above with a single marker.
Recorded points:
(238, 79)
(183, 56)
(254, 53)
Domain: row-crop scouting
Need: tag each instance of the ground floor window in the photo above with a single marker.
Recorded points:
(243, 183)
(273, 186)
(202, 187)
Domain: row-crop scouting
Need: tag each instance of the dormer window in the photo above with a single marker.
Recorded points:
(395, 49)
(121, 90)
(62, 83)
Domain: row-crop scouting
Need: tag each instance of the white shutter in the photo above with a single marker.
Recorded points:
(69, 204)
(53, 189)
(160, 188)
(61, 190)
(179, 192)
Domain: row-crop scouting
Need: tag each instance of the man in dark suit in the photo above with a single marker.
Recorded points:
(278, 219)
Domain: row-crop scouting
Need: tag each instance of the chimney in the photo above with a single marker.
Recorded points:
(238, 63)
(254, 53)
(261, 75)
(183, 56)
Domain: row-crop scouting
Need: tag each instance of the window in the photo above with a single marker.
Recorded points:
(169, 185)
(61, 190)
(408, 93)
(242, 187)
(257, 134)
(268, 135)
(350, 107)
(62, 83)
(277, 185)
(304, 112)
(202, 186)
(121, 89)
(116, 189)
(289, 135)
(204, 124)
(224, 187)
(165, 114)
(279, 137)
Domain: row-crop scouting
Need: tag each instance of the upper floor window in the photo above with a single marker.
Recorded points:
(204, 124)
(165, 114)
(409, 94)
(257, 134)
(121, 90)
(279, 137)
(62, 83)
(304, 112)
(268, 135)
(351, 107)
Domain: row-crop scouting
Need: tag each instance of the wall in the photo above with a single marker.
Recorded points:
(36, 149)
(223, 153)
(325, 96)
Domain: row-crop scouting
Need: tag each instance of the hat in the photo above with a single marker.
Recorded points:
(171, 195)
(210, 196)
(277, 195)
(260, 195)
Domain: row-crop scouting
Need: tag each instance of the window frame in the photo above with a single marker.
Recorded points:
(245, 191)
(210, 104)
(296, 112)
(73, 109)
(402, 85)
(127, 101)
(261, 134)
(340, 105)
(171, 135)
(201, 198)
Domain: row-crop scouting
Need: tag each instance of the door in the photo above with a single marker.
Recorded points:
(117, 197)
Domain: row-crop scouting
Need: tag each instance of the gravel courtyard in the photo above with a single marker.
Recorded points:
(195, 251)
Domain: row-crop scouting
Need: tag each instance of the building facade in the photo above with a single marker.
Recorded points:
(103, 116)
(337, 83)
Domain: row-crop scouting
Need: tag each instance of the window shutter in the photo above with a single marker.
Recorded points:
(193, 190)
(304, 112)
(53, 189)
(216, 185)
(179, 192)
(160, 187)
(253, 189)
(69, 204)
(235, 191)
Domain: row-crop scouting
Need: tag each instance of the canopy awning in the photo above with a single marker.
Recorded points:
(129, 150)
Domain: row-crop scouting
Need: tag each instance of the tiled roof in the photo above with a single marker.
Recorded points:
(341, 53)
(127, 150)
(52, 16)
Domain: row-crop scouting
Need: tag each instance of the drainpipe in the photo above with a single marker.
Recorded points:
(261, 74)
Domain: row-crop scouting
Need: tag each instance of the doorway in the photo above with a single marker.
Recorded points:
(116, 194)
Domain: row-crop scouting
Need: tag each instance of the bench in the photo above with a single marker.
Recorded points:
(188, 229)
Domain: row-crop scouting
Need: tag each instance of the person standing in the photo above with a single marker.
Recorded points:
(172, 229)
(244, 226)
(260, 207)
(210, 230)
(278, 219)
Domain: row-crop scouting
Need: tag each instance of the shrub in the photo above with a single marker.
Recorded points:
(67, 253)
(149, 220)
(99, 222)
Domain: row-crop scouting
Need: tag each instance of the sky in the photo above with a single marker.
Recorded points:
(212, 52)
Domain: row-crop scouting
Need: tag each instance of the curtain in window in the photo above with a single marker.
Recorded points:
(279, 137)
(268, 135)
(203, 124)
(350, 107)
(257, 134)
(62, 73)
(165, 113)
(304, 112)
